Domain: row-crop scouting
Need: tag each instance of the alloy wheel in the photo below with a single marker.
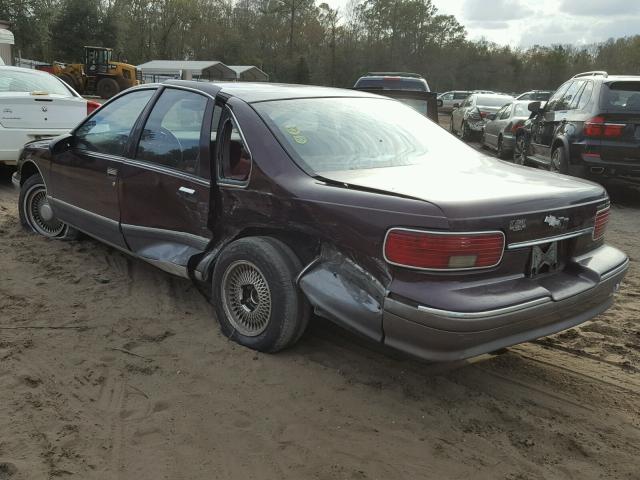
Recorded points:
(554, 166)
(246, 298)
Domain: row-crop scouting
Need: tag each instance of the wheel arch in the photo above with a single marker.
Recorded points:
(29, 169)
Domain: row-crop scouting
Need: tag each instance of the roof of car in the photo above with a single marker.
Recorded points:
(21, 69)
(252, 92)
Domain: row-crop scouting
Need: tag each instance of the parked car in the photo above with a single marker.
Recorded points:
(447, 100)
(533, 95)
(590, 128)
(422, 101)
(469, 118)
(281, 200)
(392, 81)
(500, 130)
(35, 105)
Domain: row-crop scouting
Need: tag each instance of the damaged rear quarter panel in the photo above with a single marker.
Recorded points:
(342, 228)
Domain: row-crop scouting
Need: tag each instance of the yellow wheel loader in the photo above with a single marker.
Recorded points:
(98, 75)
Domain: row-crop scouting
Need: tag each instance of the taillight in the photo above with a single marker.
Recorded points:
(517, 126)
(597, 127)
(443, 251)
(92, 106)
(483, 114)
(600, 223)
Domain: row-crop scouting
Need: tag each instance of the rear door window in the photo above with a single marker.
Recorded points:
(569, 96)
(171, 136)
(108, 130)
(234, 158)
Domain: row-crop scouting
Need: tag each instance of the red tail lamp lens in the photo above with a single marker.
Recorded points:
(443, 251)
(600, 224)
(597, 127)
(92, 106)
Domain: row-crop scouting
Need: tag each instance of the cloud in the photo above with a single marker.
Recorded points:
(494, 10)
(600, 7)
(489, 25)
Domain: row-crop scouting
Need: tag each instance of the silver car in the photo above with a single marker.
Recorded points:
(449, 100)
(469, 119)
(500, 131)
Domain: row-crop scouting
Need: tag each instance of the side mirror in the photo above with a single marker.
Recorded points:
(61, 144)
(535, 107)
(440, 103)
(456, 105)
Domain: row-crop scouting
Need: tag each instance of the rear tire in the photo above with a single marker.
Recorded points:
(255, 296)
(107, 88)
(520, 151)
(558, 162)
(36, 214)
(501, 153)
(466, 131)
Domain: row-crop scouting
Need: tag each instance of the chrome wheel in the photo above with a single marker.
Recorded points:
(555, 165)
(246, 298)
(39, 214)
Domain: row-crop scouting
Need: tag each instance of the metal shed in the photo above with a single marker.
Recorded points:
(6, 41)
(249, 73)
(187, 70)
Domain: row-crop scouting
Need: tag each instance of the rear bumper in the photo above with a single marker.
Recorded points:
(440, 335)
(12, 141)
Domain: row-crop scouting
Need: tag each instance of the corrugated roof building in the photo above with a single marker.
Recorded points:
(249, 73)
(188, 69)
(6, 42)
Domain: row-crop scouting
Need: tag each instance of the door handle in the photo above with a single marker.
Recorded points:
(187, 193)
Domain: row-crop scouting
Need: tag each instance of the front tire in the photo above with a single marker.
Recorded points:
(255, 296)
(36, 214)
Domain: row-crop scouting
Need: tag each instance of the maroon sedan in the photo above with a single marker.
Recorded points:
(278, 200)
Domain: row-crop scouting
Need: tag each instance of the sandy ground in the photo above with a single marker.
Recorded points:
(110, 369)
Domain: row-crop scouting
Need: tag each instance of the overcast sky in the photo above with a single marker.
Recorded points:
(543, 22)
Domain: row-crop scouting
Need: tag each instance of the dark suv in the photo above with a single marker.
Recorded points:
(590, 128)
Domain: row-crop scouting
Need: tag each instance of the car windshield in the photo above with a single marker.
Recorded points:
(334, 134)
(483, 101)
(622, 96)
(19, 81)
(542, 96)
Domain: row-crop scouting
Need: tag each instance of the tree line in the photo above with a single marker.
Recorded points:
(303, 41)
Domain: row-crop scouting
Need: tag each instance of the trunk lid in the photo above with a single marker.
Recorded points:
(489, 194)
(33, 112)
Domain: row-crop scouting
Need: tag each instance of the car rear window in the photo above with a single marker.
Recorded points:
(522, 110)
(392, 83)
(621, 96)
(19, 81)
(337, 134)
(483, 101)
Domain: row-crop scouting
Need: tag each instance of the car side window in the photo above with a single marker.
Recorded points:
(570, 95)
(234, 158)
(448, 96)
(460, 96)
(171, 135)
(585, 96)
(551, 104)
(109, 129)
(506, 112)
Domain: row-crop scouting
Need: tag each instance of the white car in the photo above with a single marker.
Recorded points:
(35, 105)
